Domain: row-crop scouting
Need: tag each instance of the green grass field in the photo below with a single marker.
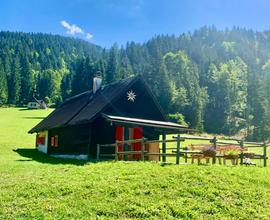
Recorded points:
(34, 186)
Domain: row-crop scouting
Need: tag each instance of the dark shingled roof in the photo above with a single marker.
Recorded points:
(84, 107)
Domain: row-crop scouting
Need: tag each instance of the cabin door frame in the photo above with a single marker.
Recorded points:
(127, 133)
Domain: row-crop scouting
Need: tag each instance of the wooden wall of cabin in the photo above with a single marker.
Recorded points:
(101, 133)
(71, 140)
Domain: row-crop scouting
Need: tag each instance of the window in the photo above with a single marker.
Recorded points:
(40, 140)
(54, 141)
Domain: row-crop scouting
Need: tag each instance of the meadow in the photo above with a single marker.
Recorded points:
(35, 186)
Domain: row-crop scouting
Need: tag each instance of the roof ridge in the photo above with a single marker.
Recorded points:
(103, 87)
(75, 97)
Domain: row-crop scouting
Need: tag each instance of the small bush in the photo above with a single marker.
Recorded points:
(178, 118)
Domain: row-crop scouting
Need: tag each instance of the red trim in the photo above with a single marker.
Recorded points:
(119, 137)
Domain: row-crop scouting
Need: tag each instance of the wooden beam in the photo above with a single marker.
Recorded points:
(142, 150)
(178, 150)
(242, 154)
(196, 138)
(160, 154)
(214, 141)
(98, 151)
(128, 141)
(89, 142)
(116, 151)
(132, 152)
(264, 155)
(254, 143)
(164, 147)
(49, 143)
(124, 145)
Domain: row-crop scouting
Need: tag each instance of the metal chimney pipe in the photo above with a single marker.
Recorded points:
(97, 80)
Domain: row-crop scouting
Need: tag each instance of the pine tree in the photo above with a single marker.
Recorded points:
(15, 82)
(125, 68)
(84, 74)
(157, 77)
(112, 66)
(78, 76)
(89, 72)
(3, 85)
(45, 84)
(66, 88)
(27, 80)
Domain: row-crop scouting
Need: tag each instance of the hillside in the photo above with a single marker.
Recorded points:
(214, 80)
(34, 186)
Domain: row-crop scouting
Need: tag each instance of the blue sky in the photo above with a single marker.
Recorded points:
(104, 22)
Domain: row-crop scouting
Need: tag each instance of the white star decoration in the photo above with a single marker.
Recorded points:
(131, 96)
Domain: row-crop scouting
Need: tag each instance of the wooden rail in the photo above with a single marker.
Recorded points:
(179, 151)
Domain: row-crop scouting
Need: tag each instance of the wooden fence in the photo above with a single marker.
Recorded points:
(178, 151)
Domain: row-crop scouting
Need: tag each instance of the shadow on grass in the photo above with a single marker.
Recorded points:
(34, 117)
(31, 154)
(30, 109)
(25, 109)
(165, 164)
(34, 155)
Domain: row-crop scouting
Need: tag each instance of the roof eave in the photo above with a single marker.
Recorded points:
(145, 122)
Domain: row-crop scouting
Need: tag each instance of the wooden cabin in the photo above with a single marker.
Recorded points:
(33, 105)
(126, 109)
(36, 104)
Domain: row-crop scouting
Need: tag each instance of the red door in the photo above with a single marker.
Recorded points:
(137, 146)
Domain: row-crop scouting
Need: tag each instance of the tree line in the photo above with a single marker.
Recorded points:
(213, 80)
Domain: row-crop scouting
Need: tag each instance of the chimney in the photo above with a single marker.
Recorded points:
(97, 82)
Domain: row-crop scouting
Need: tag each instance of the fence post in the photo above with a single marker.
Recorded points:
(116, 150)
(186, 155)
(98, 151)
(163, 148)
(214, 141)
(241, 155)
(143, 149)
(264, 155)
(178, 149)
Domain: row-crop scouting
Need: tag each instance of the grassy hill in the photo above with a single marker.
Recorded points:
(34, 186)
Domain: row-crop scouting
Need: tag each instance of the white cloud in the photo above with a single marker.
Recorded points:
(89, 36)
(72, 29)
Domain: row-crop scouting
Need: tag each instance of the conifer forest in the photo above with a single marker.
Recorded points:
(215, 81)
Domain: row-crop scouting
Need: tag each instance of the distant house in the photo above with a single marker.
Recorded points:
(33, 105)
(122, 110)
(36, 104)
